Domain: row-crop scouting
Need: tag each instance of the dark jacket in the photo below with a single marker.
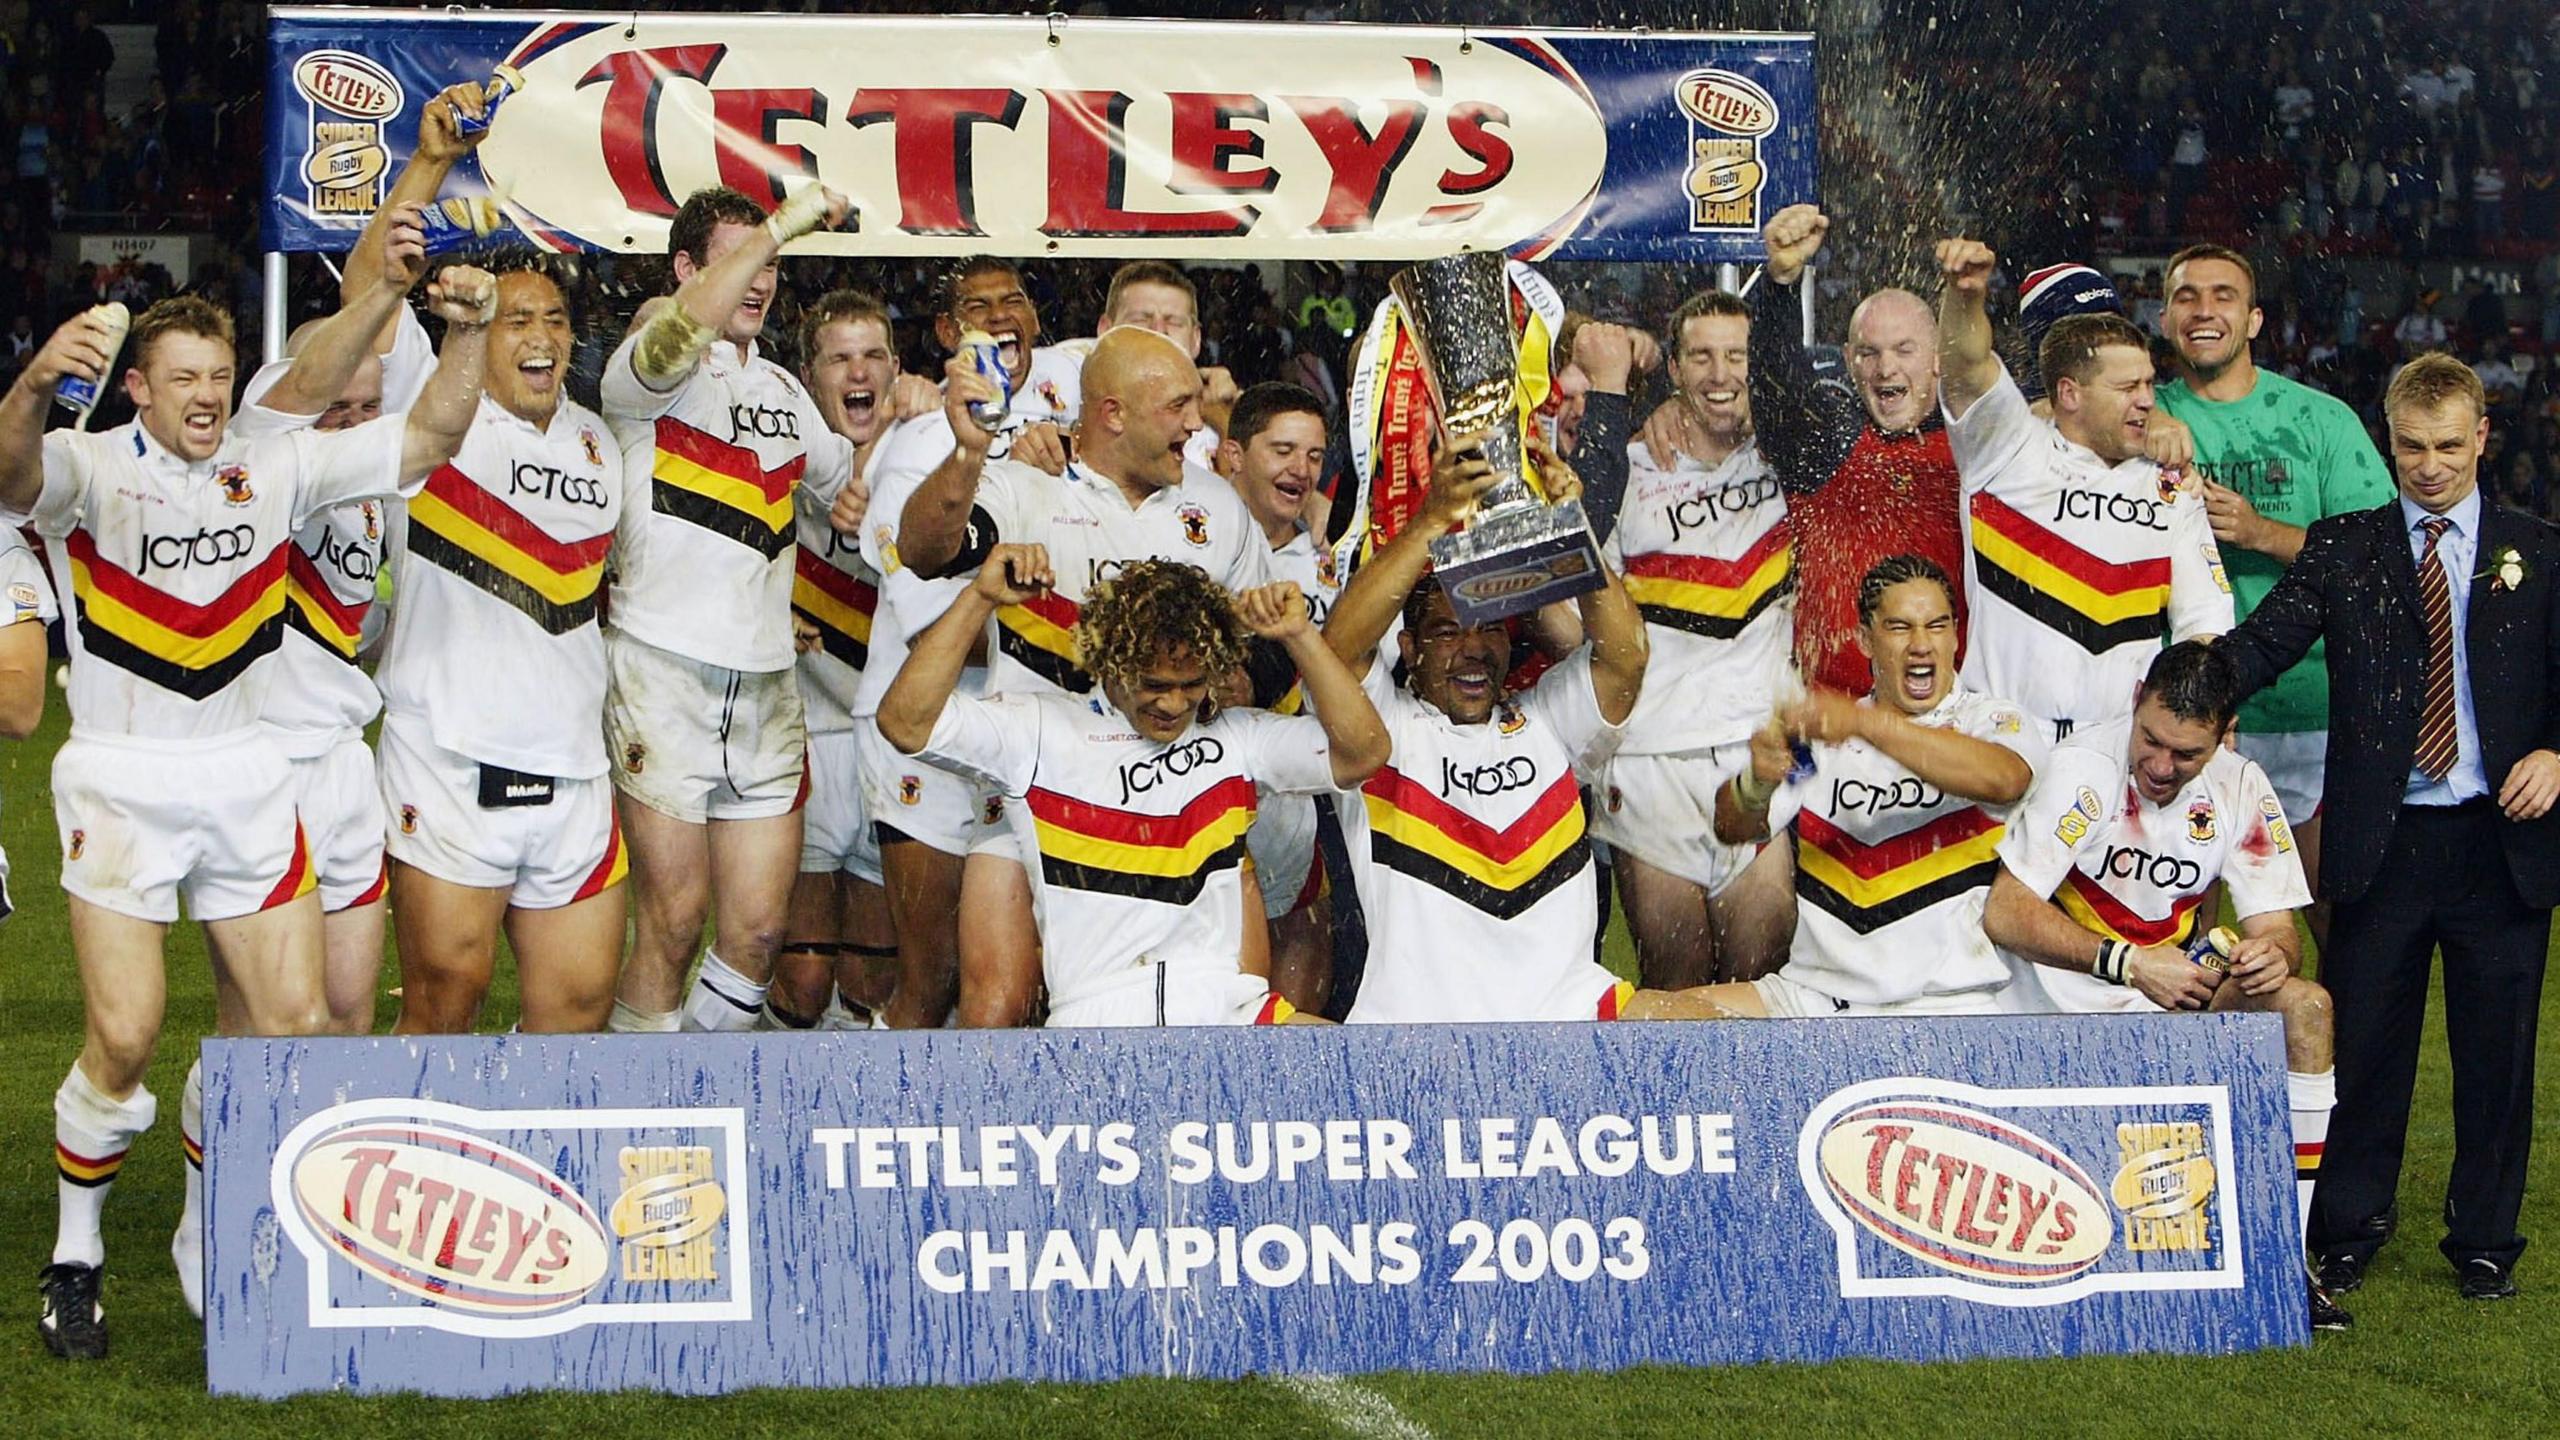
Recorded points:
(2355, 584)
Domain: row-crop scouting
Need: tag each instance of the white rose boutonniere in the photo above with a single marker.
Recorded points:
(2505, 571)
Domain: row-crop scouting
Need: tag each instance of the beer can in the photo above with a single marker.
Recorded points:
(462, 220)
(987, 358)
(78, 394)
(505, 81)
(2212, 949)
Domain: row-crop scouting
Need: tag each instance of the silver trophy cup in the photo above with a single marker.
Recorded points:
(1519, 552)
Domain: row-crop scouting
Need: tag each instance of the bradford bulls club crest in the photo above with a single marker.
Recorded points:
(79, 842)
(594, 450)
(234, 480)
(2200, 821)
(408, 819)
(1195, 524)
(634, 755)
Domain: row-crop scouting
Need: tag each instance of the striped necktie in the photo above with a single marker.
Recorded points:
(2436, 727)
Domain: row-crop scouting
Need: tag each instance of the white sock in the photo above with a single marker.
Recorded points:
(628, 1021)
(91, 1134)
(722, 1000)
(186, 1248)
(2311, 1098)
(840, 1016)
(772, 1017)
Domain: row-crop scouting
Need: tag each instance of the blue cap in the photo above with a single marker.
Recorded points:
(2059, 290)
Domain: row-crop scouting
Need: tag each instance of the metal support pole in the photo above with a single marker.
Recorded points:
(272, 342)
(1804, 299)
(1729, 278)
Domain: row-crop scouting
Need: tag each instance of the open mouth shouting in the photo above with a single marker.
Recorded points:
(541, 374)
(203, 426)
(1920, 681)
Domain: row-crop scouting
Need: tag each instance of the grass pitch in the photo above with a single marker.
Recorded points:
(2418, 1361)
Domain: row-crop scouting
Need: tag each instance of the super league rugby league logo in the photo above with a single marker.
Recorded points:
(414, 1212)
(1729, 116)
(1931, 1187)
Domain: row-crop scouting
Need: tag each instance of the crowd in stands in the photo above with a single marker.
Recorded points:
(2393, 169)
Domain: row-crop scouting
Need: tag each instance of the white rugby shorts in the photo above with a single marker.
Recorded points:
(2297, 765)
(1179, 994)
(543, 856)
(146, 823)
(1283, 845)
(1788, 999)
(835, 828)
(1662, 810)
(909, 799)
(340, 802)
(701, 742)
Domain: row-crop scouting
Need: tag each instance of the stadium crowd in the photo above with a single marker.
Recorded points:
(998, 644)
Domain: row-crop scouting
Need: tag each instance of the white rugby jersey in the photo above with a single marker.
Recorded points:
(2080, 568)
(1473, 868)
(1090, 530)
(703, 564)
(174, 573)
(497, 653)
(1891, 871)
(833, 590)
(1708, 558)
(321, 696)
(1139, 844)
(2126, 868)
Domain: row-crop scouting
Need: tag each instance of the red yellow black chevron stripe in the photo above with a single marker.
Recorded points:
(83, 1170)
(840, 605)
(194, 650)
(300, 876)
(2098, 604)
(1711, 597)
(1869, 886)
(723, 488)
(1040, 635)
(474, 536)
(1164, 858)
(610, 870)
(315, 610)
(193, 1147)
(2088, 902)
(1501, 872)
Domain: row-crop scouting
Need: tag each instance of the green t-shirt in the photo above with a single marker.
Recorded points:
(2299, 455)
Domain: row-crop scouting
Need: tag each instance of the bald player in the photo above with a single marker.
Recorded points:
(1128, 495)
(1867, 474)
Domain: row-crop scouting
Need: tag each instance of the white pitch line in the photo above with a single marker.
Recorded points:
(1352, 1409)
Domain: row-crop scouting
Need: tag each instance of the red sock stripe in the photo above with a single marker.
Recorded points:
(81, 1169)
(194, 1148)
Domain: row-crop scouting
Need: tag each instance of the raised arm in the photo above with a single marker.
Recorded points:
(1012, 575)
(676, 336)
(79, 348)
(1967, 365)
(935, 523)
(1376, 594)
(337, 345)
(1355, 738)
(440, 144)
(1610, 620)
(1805, 427)
(466, 299)
(1608, 356)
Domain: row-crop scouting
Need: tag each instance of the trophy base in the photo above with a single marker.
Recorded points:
(1510, 561)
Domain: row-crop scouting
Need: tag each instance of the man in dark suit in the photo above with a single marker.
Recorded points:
(2443, 630)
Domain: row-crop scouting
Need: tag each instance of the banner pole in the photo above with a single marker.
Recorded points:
(271, 343)
(1804, 301)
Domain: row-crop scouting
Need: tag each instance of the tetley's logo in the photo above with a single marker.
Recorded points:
(1729, 117)
(1937, 1188)
(527, 1222)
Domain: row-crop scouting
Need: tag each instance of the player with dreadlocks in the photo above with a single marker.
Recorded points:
(1134, 803)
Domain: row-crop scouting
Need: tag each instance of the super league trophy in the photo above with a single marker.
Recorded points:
(1519, 552)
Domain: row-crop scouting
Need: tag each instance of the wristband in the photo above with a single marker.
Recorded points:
(804, 211)
(2115, 958)
(1748, 789)
(670, 346)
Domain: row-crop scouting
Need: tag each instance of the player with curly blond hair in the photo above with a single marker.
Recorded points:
(1134, 805)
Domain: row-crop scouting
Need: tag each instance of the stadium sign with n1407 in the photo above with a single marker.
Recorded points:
(701, 1214)
(1045, 135)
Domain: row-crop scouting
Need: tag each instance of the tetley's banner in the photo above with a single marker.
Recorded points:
(706, 1213)
(1033, 136)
